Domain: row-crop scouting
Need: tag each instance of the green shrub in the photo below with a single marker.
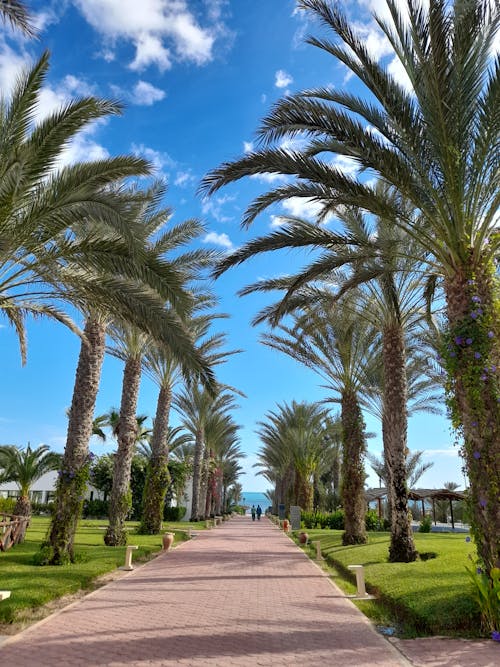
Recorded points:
(310, 519)
(425, 525)
(371, 520)
(7, 505)
(41, 509)
(173, 513)
(336, 520)
(95, 509)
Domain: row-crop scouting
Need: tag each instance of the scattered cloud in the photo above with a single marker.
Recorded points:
(161, 31)
(263, 98)
(222, 240)
(302, 207)
(161, 161)
(270, 178)
(430, 453)
(247, 146)
(277, 221)
(146, 94)
(213, 206)
(345, 164)
(184, 178)
(282, 79)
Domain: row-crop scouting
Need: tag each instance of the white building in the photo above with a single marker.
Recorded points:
(43, 490)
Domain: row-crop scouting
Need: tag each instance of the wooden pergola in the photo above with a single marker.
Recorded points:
(422, 495)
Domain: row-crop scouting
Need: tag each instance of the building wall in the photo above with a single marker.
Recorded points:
(43, 489)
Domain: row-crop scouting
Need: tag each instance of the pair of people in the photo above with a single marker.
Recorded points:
(256, 511)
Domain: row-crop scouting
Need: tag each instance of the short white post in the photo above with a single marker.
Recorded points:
(4, 595)
(128, 558)
(318, 549)
(360, 582)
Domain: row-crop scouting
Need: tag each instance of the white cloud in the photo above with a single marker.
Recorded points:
(247, 146)
(282, 79)
(146, 94)
(302, 207)
(160, 161)
(397, 70)
(11, 64)
(270, 178)
(214, 207)
(184, 178)
(218, 239)
(346, 164)
(160, 30)
(276, 222)
(263, 98)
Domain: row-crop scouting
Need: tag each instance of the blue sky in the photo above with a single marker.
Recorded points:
(196, 78)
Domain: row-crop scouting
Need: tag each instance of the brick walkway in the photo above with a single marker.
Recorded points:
(242, 594)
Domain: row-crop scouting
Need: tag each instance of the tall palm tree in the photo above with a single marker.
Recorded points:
(164, 370)
(25, 466)
(196, 405)
(415, 468)
(341, 350)
(437, 144)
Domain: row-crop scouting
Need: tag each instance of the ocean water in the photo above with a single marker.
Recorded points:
(250, 498)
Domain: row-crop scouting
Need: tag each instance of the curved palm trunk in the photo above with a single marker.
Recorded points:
(74, 471)
(353, 493)
(23, 508)
(157, 476)
(197, 465)
(394, 433)
(473, 397)
(120, 501)
(304, 493)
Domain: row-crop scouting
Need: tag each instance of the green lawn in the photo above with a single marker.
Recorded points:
(33, 586)
(432, 596)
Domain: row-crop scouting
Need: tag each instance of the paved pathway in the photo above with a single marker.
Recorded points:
(242, 594)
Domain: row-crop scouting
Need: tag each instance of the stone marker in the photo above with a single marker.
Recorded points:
(295, 517)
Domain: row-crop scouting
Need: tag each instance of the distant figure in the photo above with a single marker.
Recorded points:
(253, 513)
(259, 511)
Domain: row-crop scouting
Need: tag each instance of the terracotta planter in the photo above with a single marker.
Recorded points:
(303, 537)
(286, 525)
(168, 540)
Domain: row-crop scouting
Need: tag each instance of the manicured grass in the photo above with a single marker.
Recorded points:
(33, 586)
(427, 597)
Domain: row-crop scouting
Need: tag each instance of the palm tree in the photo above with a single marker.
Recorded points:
(437, 145)
(25, 467)
(164, 370)
(341, 350)
(17, 15)
(415, 468)
(196, 406)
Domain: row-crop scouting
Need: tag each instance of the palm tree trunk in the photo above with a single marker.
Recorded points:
(157, 476)
(204, 478)
(197, 465)
(120, 501)
(394, 433)
(74, 471)
(353, 477)
(473, 359)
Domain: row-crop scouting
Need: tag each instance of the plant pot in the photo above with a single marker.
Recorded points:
(303, 537)
(168, 540)
(286, 525)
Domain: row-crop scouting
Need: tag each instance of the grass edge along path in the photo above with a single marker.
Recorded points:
(37, 591)
(432, 596)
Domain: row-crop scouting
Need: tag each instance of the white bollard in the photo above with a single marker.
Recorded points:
(4, 595)
(128, 558)
(318, 549)
(360, 583)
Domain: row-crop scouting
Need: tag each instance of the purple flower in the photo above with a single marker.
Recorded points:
(467, 539)
(477, 455)
(491, 334)
(453, 354)
(474, 423)
(495, 635)
(473, 315)
(479, 311)
(459, 340)
(476, 299)
(477, 355)
(470, 282)
(482, 503)
(493, 369)
(468, 341)
(478, 570)
(483, 377)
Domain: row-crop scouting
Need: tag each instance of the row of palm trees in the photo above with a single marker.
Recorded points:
(84, 236)
(421, 234)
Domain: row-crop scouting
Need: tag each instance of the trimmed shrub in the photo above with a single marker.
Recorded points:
(425, 525)
(336, 520)
(7, 505)
(173, 513)
(42, 509)
(371, 520)
(95, 509)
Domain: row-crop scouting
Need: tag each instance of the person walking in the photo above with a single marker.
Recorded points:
(259, 511)
(253, 512)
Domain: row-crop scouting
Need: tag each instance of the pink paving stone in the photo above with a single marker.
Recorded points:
(240, 595)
